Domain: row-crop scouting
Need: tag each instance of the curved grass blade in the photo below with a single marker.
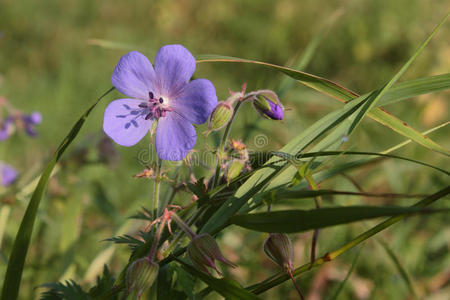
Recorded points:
(21, 243)
(403, 273)
(228, 288)
(290, 221)
(350, 271)
(282, 277)
(327, 153)
(371, 104)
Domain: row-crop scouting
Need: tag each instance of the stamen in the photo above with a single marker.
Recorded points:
(150, 94)
(143, 105)
(148, 116)
(161, 100)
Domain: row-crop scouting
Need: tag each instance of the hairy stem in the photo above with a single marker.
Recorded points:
(156, 188)
(223, 143)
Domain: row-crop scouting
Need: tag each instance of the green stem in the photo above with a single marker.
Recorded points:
(282, 277)
(223, 143)
(156, 187)
(152, 253)
(185, 227)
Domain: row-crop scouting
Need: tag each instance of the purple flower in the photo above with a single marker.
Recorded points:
(161, 93)
(7, 174)
(6, 128)
(30, 121)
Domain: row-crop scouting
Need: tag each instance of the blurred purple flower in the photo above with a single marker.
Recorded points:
(6, 128)
(7, 174)
(161, 93)
(30, 121)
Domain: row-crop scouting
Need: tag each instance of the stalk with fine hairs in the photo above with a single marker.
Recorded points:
(223, 143)
(156, 188)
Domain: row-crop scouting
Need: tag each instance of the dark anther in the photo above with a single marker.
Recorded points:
(161, 100)
(148, 116)
(150, 94)
(143, 105)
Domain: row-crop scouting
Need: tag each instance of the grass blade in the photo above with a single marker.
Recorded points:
(21, 243)
(290, 221)
(350, 271)
(282, 277)
(228, 288)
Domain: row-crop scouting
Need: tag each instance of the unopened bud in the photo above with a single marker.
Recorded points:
(234, 170)
(220, 116)
(140, 275)
(267, 104)
(203, 251)
(279, 248)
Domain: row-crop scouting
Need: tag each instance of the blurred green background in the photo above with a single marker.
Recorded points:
(51, 60)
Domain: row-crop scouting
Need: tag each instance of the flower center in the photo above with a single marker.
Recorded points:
(157, 106)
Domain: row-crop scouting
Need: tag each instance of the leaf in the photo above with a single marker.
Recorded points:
(289, 221)
(282, 276)
(21, 243)
(403, 273)
(371, 104)
(69, 290)
(228, 288)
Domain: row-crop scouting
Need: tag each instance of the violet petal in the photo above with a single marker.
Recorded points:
(196, 101)
(174, 66)
(134, 76)
(125, 122)
(175, 137)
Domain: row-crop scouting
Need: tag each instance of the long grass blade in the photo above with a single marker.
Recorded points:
(21, 243)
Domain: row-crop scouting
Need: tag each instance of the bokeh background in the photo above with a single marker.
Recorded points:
(57, 57)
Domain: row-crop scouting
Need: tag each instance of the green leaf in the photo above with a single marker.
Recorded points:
(371, 104)
(342, 94)
(329, 256)
(289, 221)
(403, 273)
(226, 287)
(21, 243)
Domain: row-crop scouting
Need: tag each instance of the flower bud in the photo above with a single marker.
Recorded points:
(140, 275)
(267, 104)
(220, 116)
(203, 251)
(234, 169)
(279, 248)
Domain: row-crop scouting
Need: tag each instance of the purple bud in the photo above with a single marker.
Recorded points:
(275, 112)
(8, 174)
(203, 251)
(279, 248)
(267, 104)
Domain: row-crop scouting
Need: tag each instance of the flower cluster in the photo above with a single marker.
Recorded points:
(16, 120)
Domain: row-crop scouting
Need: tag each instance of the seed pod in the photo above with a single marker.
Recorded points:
(140, 275)
(279, 248)
(203, 251)
(220, 116)
(267, 104)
